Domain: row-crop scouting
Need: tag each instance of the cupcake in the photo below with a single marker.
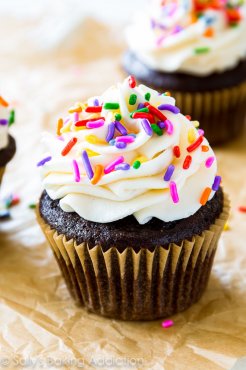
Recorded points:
(197, 50)
(132, 205)
(7, 143)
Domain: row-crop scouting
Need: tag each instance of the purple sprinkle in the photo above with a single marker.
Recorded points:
(123, 166)
(61, 138)
(96, 103)
(169, 172)
(110, 133)
(140, 106)
(87, 165)
(146, 126)
(120, 145)
(76, 171)
(169, 107)
(209, 162)
(161, 124)
(43, 161)
(216, 183)
(120, 128)
(3, 122)
(152, 23)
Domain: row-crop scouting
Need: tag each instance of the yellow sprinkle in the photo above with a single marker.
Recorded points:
(59, 126)
(93, 139)
(141, 159)
(191, 135)
(66, 128)
(91, 153)
(75, 110)
(196, 123)
(226, 227)
(79, 128)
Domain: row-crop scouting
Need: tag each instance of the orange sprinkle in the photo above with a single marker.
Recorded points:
(59, 126)
(69, 146)
(3, 102)
(75, 110)
(97, 174)
(205, 148)
(209, 32)
(205, 196)
(167, 93)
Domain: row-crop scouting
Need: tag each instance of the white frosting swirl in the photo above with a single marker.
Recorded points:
(4, 116)
(140, 192)
(176, 41)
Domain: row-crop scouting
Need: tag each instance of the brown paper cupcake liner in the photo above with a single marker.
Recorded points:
(137, 286)
(221, 113)
(2, 170)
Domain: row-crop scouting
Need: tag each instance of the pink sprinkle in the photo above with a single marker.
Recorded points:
(174, 192)
(61, 138)
(200, 132)
(76, 171)
(167, 324)
(209, 162)
(125, 139)
(110, 167)
(66, 120)
(169, 127)
(95, 124)
(75, 116)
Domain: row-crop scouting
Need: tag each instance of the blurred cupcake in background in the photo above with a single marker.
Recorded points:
(7, 142)
(197, 50)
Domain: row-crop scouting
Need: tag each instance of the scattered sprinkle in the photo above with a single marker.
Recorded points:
(32, 205)
(195, 145)
(205, 148)
(132, 82)
(97, 174)
(201, 50)
(69, 146)
(3, 102)
(169, 127)
(110, 133)
(132, 99)
(110, 167)
(76, 171)
(169, 107)
(169, 172)
(146, 126)
(142, 115)
(156, 129)
(205, 195)
(117, 117)
(125, 139)
(209, 161)
(156, 112)
(87, 165)
(242, 209)
(120, 145)
(191, 135)
(174, 191)
(147, 96)
(59, 126)
(119, 127)
(95, 124)
(216, 184)
(112, 106)
(94, 109)
(136, 164)
(187, 162)
(176, 151)
(43, 161)
(167, 324)
(122, 166)
(11, 117)
(227, 226)
(93, 139)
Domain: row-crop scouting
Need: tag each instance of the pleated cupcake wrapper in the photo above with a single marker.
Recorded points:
(221, 113)
(137, 286)
(2, 170)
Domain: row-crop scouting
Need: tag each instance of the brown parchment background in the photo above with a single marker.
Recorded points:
(38, 320)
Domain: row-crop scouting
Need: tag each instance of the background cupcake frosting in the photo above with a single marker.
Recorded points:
(139, 164)
(194, 37)
(4, 123)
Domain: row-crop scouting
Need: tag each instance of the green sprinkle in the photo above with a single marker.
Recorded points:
(147, 96)
(111, 106)
(117, 117)
(156, 129)
(233, 24)
(202, 50)
(142, 110)
(32, 206)
(133, 99)
(136, 164)
(11, 117)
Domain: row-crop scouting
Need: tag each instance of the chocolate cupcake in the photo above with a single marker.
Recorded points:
(7, 143)
(196, 50)
(132, 206)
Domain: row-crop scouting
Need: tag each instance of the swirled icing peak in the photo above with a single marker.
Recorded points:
(6, 120)
(192, 36)
(129, 152)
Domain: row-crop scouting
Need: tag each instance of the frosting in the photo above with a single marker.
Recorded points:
(4, 123)
(128, 152)
(196, 37)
